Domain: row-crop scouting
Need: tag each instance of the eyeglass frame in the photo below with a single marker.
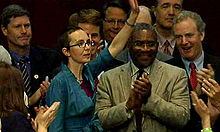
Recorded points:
(92, 43)
(112, 21)
(149, 43)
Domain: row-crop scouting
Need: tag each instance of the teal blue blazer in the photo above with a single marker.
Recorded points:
(76, 111)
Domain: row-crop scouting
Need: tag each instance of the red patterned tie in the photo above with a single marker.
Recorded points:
(193, 78)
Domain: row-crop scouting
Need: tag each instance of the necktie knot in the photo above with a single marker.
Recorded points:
(167, 43)
(166, 48)
(139, 73)
(23, 59)
(192, 66)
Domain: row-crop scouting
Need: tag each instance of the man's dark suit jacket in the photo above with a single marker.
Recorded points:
(43, 61)
(194, 125)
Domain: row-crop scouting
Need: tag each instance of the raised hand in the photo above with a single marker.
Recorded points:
(100, 47)
(134, 5)
(134, 11)
(214, 112)
(134, 100)
(212, 89)
(46, 116)
(141, 90)
(142, 87)
(205, 73)
(202, 109)
(43, 88)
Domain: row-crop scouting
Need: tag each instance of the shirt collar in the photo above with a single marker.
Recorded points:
(134, 69)
(106, 44)
(198, 63)
(162, 40)
(17, 57)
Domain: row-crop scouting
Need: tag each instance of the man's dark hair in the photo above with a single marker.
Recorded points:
(12, 11)
(116, 3)
(90, 16)
(63, 41)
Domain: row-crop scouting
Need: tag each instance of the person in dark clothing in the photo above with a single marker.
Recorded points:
(34, 62)
(189, 30)
(13, 112)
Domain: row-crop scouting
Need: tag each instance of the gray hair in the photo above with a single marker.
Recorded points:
(183, 15)
(142, 26)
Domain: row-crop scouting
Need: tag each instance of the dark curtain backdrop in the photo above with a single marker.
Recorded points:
(49, 17)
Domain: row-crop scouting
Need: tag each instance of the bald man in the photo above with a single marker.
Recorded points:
(144, 15)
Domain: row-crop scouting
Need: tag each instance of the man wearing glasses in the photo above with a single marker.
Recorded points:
(114, 17)
(143, 95)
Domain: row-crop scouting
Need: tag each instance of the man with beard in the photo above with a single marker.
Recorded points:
(35, 63)
(144, 94)
(165, 11)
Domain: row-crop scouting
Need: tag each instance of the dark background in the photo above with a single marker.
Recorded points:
(49, 17)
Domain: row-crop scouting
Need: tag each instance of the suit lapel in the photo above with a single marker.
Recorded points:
(155, 76)
(125, 80)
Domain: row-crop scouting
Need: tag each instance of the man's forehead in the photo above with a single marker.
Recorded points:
(20, 18)
(89, 28)
(170, 1)
(115, 11)
(144, 34)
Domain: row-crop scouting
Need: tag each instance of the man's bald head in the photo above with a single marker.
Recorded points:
(144, 16)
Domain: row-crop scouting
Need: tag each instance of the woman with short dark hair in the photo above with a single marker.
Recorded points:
(74, 85)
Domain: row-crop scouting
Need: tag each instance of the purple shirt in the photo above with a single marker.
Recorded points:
(85, 85)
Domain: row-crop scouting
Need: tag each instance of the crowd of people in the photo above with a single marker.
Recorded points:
(125, 69)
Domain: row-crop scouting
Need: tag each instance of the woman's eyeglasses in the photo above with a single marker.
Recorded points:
(82, 44)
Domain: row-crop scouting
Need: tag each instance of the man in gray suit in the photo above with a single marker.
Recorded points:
(156, 101)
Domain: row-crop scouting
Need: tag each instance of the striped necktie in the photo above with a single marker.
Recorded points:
(25, 75)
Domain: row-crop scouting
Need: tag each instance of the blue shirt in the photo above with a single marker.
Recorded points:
(76, 111)
(198, 63)
(16, 57)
